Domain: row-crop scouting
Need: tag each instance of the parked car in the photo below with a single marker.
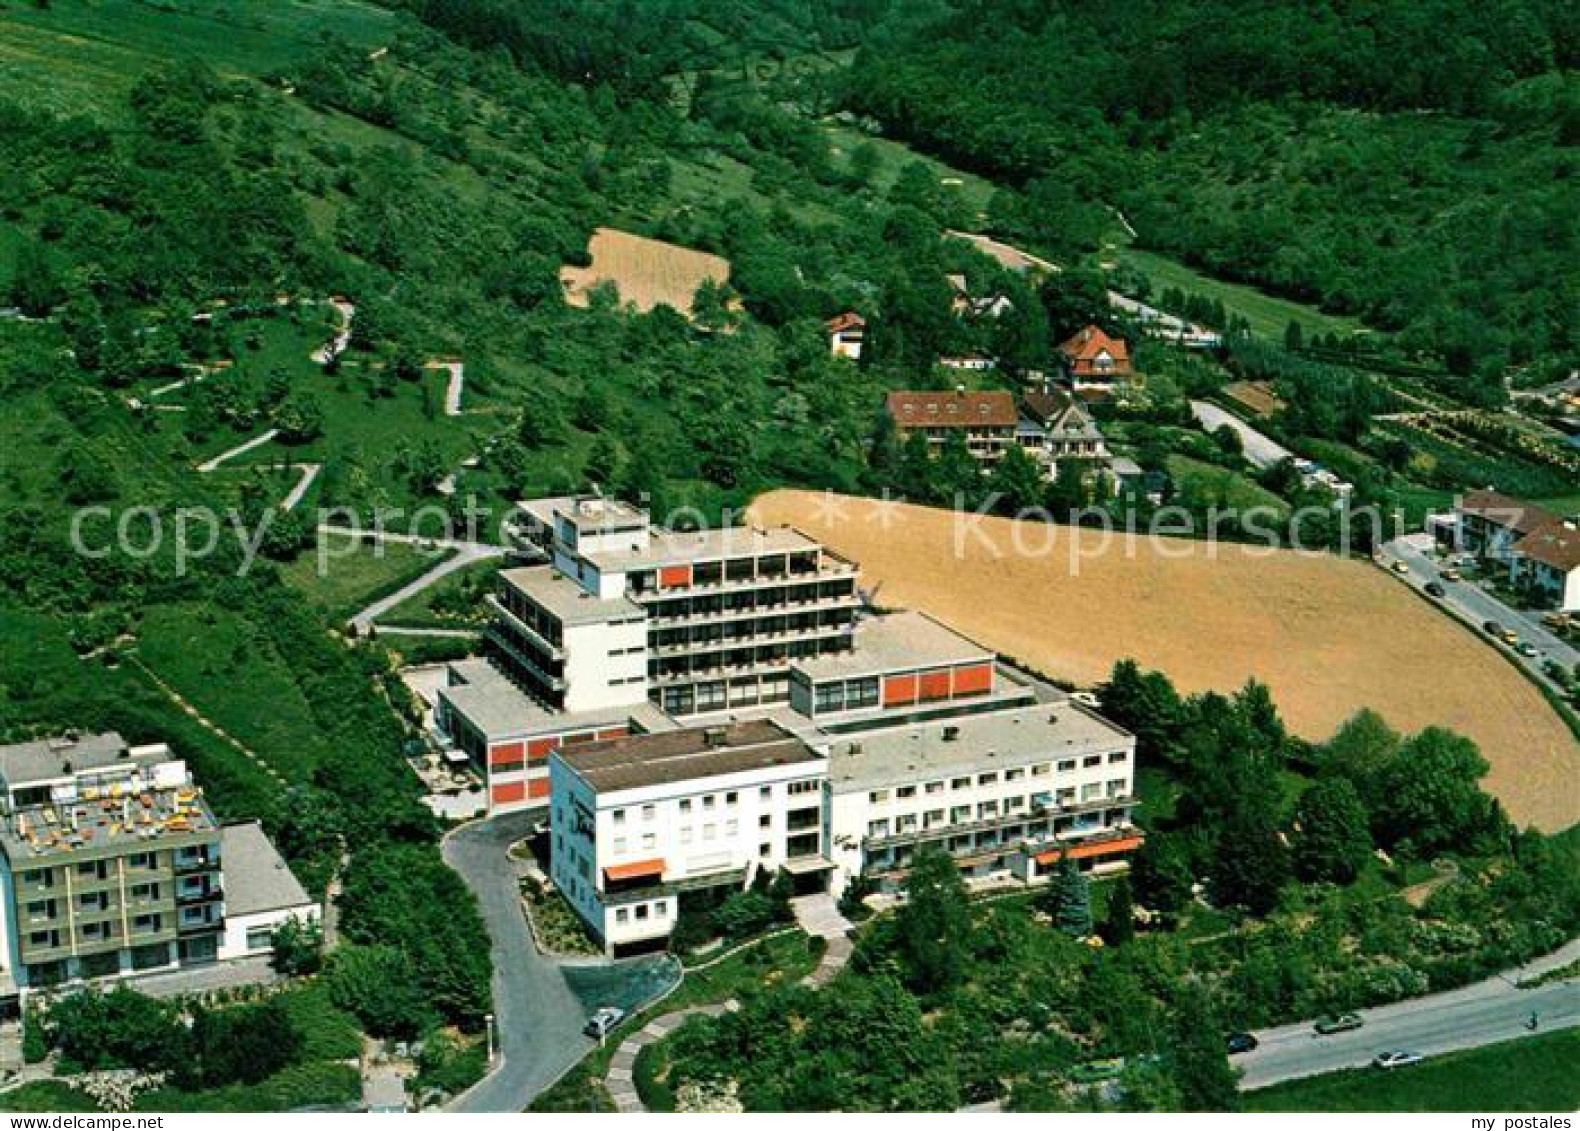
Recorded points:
(606, 1018)
(1396, 1059)
(1493, 628)
(1528, 649)
(1509, 637)
(1450, 575)
(1339, 1024)
(1239, 1042)
(1433, 589)
(1556, 621)
(1401, 567)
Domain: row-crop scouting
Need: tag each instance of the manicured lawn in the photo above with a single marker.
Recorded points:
(343, 575)
(1540, 1073)
(1268, 316)
(46, 1095)
(420, 611)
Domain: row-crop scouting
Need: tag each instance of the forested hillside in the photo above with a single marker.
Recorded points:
(1409, 162)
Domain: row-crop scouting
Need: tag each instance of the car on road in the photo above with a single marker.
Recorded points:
(1239, 1042)
(1556, 621)
(1340, 1023)
(1493, 628)
(1433, 589)
(1509, 637)
(606, 1018)
(1528, 649)
(1450, 575)
(1396, 1059)
(1401, 567)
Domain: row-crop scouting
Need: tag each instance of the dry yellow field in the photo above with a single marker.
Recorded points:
(1328, 635)
(646, 272)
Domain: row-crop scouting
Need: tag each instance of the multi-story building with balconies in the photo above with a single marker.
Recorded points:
(113, 865)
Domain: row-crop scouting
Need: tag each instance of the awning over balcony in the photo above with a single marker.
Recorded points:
(636, 870)
(1090, 849)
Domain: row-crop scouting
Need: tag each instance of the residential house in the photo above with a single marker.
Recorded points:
(1062, 428)
(1095, 361)
(847, 333)
(1491, 523)
(1547, 562)
(963, 303)
(986, 420)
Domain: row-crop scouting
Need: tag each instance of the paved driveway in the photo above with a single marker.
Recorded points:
(1476, 606)
(1483, 1014)
(537, 1016)
(1262, 451)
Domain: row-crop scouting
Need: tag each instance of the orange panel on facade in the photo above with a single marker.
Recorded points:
(613, 732)
(506, 753)
(636, 870)
(898, 689)
(509, 793)
(974, 680)
(538, 787)
(934, 685)
(671, 577)
(538, 749)
(1094, 848)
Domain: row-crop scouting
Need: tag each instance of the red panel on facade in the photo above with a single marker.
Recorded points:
(899, 689)
(1110, 847)
(538, 749)
(506, 753)
(974, 680)
(934, 685)
(613, 732)
(538, 787)
(670, 577)
(509, 793)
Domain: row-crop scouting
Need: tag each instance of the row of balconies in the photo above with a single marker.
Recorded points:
(555, 651)
(725, 643)
(1000, 822)
(659, 618)
(755, 666)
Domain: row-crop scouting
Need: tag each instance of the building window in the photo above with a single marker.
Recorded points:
(1091, 760)
(877, 828)
(732, 798)
(1014, 775)
(878, 796)
(1040, 770)
(260, 938)
(960, 783)
(660, 910)
(41, 909)
(1118, 756)
(619, 816)
(765, 820)
(905, 791)
(641, 911)
(649, 840)
(732, 828)
(765, 793)
(622, 915)
(685, 804)
(1066, 765)
(619, 845)
(709, 801)
(810, 785)
(649, 812)
(987, 779)
(935, 787)
(710, 832)
(764, 849)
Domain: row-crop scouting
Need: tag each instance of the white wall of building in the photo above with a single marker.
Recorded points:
(605, 664)
(247, 935)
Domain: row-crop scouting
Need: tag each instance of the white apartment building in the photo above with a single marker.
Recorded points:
(636, 822)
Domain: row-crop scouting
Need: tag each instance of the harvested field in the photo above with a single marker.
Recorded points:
(1256, 396)
(1329, 636)
(646, 272)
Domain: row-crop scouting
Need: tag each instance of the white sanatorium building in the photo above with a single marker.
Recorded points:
(696, 708)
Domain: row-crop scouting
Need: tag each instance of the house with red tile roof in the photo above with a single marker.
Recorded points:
(1491, 523)
(847, 333)
(1096, 361)
(986, 420)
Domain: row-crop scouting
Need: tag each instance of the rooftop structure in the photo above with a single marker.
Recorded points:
(897, 642)
(256, 876)
(686, 755)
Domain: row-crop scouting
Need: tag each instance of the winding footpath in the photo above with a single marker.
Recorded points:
(466, 553)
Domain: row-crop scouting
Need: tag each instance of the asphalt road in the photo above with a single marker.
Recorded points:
(538, 1018)
(1482, 1014)
(1476, 606)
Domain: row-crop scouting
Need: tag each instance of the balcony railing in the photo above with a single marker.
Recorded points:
(733, 877)
(991, 824)
(719, 616)
(555, 650)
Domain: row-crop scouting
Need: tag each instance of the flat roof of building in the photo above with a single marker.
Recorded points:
(1019, 736)
(48, 759)
(500, 709)
(257, 879)
(108, 821)
(901, 641)
(669, 547)
(565, 598)
(685, 755)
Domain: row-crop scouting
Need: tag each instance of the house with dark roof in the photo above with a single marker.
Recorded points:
(1058, 426)
(1491, 523)
(1547, 562)
(985, 420)
(1095, 361)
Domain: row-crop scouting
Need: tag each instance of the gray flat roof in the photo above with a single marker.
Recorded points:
(673, 548)
(566, 599)
(895, 642)
(910, 754)
(500, 709)
(257, 878)
(685, 755)
(48, 758)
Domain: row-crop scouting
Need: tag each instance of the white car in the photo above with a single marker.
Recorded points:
(1397, 1059)
(606, 1018)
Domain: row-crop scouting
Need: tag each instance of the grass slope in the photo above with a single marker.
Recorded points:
(1530, 1074)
